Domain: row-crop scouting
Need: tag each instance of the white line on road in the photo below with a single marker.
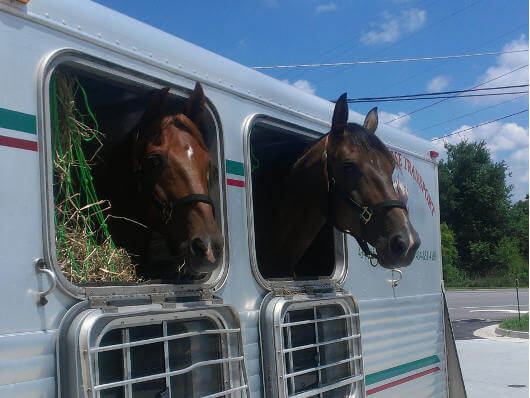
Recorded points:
(505, 310)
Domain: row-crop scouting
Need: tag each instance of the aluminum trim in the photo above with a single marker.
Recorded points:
(320, 344)
(167, 374)
(161, 339)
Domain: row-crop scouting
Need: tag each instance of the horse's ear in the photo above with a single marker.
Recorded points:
(196, 104)
(340, 115)
(157, 104)
(371, 120)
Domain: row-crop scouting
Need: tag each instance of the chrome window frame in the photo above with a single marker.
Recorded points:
(340, 270)
(84, 333)
(273, 311)
(117, 73)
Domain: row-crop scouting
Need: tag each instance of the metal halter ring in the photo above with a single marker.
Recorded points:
(366, 214)
(374, 262)
(394, 282)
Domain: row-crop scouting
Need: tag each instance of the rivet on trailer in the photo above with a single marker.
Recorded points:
(196, 284)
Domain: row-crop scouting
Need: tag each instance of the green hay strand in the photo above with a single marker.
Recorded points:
(85, 250)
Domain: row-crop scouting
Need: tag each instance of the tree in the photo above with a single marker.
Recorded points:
(519, 225)
(475, 203)
(451, 273)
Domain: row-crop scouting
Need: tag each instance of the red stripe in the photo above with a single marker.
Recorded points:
(18, 143)
(235, 183)
(401, 381)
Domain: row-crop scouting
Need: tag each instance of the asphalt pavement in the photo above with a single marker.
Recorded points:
(491, 366)
(474, 309)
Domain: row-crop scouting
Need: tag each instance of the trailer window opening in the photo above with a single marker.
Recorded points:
(273, 151)
(92, 113)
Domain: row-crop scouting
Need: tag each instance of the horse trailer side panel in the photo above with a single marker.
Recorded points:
(403, 346)
(27, 364)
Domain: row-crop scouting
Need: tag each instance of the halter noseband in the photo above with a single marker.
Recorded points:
(166, 207)
(365, 212)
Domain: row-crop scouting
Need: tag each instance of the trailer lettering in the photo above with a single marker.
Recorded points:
(403, 162)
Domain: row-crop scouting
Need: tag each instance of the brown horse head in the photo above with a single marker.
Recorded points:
(173, 167)
(363, 201)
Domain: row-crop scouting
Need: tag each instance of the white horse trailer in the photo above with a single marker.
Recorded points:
(348, 330)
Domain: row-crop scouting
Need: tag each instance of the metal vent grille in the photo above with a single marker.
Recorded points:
(194, 357)
(318, 349)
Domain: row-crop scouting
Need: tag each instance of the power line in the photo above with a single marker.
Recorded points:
(438, 102)
(436, 93)
(440, 64)
(467, 114)
(431, 98)
(478, 125)
(404, 39)
(388, 61)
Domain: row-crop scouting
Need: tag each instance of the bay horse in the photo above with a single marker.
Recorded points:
(156, 181)
(345, 180)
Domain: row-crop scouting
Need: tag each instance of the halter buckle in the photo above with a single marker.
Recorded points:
(366, 214)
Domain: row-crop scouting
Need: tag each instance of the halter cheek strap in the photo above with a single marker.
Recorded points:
(365, 212)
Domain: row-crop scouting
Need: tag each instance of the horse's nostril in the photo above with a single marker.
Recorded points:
(398, 246)
(198, 246)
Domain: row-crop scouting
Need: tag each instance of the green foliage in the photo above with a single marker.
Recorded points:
(452, 274)
(514, 324)
(484, 236)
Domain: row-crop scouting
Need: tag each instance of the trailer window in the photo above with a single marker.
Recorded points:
(91, 112)
(273, 149)
(189, 354)
(318, 348)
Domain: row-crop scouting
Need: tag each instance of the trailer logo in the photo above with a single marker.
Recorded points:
(401, 189)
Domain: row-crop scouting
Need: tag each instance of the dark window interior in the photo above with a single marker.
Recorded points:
(117, 106)
(273, 152)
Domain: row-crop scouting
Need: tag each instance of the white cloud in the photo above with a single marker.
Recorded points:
(303, 85)
(505, 141)
(394, 26)
(505, 63)
(439, 83)
(329, 7)
(402, 123)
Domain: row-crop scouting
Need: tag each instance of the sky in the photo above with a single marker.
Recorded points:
(280, 32)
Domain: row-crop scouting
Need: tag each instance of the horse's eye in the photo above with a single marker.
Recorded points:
(153, 165)
(350, 168)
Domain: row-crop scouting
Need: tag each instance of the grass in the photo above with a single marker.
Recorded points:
(513, 324)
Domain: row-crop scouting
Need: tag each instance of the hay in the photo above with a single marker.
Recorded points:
(85, 250)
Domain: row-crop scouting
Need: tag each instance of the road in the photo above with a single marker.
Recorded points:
(473, 309)
(491, 367)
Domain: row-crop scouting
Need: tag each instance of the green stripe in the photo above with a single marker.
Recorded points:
(401, 369)
(18, 121)
(234, 167)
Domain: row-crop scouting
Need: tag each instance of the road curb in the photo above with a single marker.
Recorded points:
(511, 333)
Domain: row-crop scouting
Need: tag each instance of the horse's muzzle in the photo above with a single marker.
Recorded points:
(400, 249)
(205, 254)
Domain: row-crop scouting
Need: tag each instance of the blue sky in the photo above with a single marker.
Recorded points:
(278, 32)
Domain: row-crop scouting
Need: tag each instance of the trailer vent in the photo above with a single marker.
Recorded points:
(318, 349)
(195, 353)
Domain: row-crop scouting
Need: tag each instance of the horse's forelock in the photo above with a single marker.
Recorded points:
(360, 135)
(191, 128)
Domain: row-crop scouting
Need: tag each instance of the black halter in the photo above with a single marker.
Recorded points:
(365, 212)
(166, 207)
